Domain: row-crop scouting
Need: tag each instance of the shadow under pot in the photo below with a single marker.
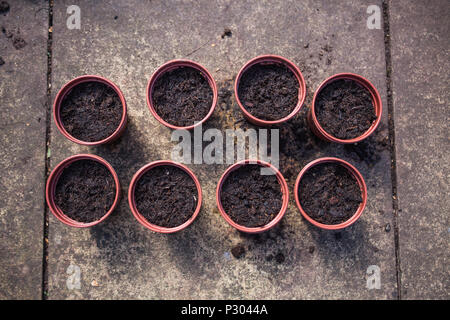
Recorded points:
(330, 193)
(82, 190)
(165, 196)
(270, 90)
(181, 94)
(346, 108)
(90, 110)
(252, 196)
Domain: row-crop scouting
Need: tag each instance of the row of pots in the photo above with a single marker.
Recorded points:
(57, 212)
(265, 59)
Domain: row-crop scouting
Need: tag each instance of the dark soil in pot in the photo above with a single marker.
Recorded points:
(329, 193)
(345, 109)
(182, 96)
(85, 191)
(249, 198)
(268, 92)
(91, 111)
(166, 196)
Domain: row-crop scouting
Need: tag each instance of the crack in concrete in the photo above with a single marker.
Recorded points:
(47, 144)
(390, 104)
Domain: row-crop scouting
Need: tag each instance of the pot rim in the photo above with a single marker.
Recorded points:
(52, 181)
(354, 172)
(168, 66)
(284, 190)
(271, 58)
(376, 101)
(66, 88)
(132, 203)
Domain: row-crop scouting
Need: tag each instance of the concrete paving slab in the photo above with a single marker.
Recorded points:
(23, 89)
(420, 61)
(126, 41)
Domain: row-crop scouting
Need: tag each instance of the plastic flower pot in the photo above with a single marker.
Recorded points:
(169, 66)
(271, 59)
(283, 187)
(318, 130)
(132, 202)
(53, 181)
(67, 88)
(354, 172)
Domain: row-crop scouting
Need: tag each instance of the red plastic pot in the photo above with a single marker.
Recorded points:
(139, 217)
(314, 124)
(53, 181)
(168, 66)
(354, 172)
(284, 190)
(67, 88)
(271, 59)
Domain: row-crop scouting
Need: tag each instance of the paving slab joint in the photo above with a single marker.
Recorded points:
(47, 150)
(390, 105)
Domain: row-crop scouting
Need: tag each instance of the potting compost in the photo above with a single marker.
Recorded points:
(85, 191)
(344, 109)
(166, 196)
(182, 96)
(329, 193)
(269, 92)
(91, 111)
(249, 198)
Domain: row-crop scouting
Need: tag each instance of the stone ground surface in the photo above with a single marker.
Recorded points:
(23, 91)
(421, 61)
(125, 41)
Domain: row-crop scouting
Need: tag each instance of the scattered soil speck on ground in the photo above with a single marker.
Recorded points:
(226, 33)
(238, 251)
(4, 7)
